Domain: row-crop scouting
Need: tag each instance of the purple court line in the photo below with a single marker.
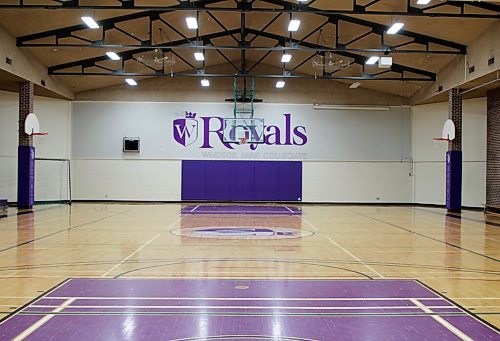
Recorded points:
(134, 309)
(241, 209)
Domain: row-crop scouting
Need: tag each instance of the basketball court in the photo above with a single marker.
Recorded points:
(249, 170)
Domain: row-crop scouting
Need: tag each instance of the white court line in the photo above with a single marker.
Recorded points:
(442, 321)
(240, 307)
(349, 253)
(250, 298)
(42, 321)
(138, 250)
(289, 209)
(130, 256)
(194, 209)
(353, 256)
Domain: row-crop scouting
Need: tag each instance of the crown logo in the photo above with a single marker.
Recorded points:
(190, 114)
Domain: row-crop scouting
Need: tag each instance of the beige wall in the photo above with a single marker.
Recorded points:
(27, 67)
(455, 74)
(185, 89)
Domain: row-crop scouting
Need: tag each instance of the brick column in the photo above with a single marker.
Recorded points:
(455, 114)
(454, 154)
(25, 150)
(26, 95)
(493, 152)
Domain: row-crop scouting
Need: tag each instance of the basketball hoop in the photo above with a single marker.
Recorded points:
(441, 139)
(39, 134)
(243, 140)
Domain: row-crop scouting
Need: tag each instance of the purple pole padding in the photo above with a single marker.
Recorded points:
(454, 180)
(25, 176)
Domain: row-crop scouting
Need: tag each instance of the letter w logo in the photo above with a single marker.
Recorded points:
(185, 131)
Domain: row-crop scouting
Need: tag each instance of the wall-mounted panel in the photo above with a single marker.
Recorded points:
(242, 180)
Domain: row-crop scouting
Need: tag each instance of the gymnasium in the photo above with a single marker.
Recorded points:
(249, 170)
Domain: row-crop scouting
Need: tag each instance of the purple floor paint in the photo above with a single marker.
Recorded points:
(241, 209)
(200, 309)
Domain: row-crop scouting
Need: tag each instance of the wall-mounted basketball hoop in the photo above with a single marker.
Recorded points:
(448, 132)
(32, 126)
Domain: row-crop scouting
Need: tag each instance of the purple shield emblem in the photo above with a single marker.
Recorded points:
(186, 129)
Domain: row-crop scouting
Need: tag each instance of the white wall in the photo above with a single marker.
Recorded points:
(142, 180)
(386, 181)
(429, 158)
(373, 167)
(51, 176)
(357, 182)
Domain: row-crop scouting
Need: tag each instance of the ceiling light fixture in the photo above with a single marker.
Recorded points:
(350, 107)
(205, 82)
(90, 22)
(354, 85)
(199, 56)
(423, 2)
(280, 84)
(293, 26)
(131, 82)
(192, 23)
(395, 28)
(286, 58)
(372, 60)
(112, 55)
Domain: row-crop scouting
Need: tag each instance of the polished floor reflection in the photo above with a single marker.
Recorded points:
(244, 309)
(250, 246)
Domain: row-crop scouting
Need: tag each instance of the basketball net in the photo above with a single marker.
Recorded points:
(243, 140)
(440, 143)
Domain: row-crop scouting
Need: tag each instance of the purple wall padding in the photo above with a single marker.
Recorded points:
(193, 180)
(242, 180)
(454, 180)
(25, 176)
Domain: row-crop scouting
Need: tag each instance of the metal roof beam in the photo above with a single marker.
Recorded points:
(126, 55)
(492, 11)
(107, 24)
(358, 59)
(380, 29)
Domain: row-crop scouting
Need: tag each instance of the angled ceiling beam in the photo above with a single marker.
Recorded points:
(127, 55)
(380, 29)
(107, 24)
(493, 11)
(358, 59)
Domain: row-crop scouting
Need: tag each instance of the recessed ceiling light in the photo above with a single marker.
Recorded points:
(372, 60)
(302, 0)
(280, 84)
(199, 56)
(293, 25)
(423, 2)
(192, 23)
(205, 82)
(112, 55)
(395, 28)
(90, 22)
(286, 58)
(131, 82)
(354, 85)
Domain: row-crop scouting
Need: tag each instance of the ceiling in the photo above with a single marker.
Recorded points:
(331, 32)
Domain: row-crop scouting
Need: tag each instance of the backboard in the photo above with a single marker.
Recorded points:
(250, 129)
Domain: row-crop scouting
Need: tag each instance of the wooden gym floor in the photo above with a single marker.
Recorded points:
(457, 255)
